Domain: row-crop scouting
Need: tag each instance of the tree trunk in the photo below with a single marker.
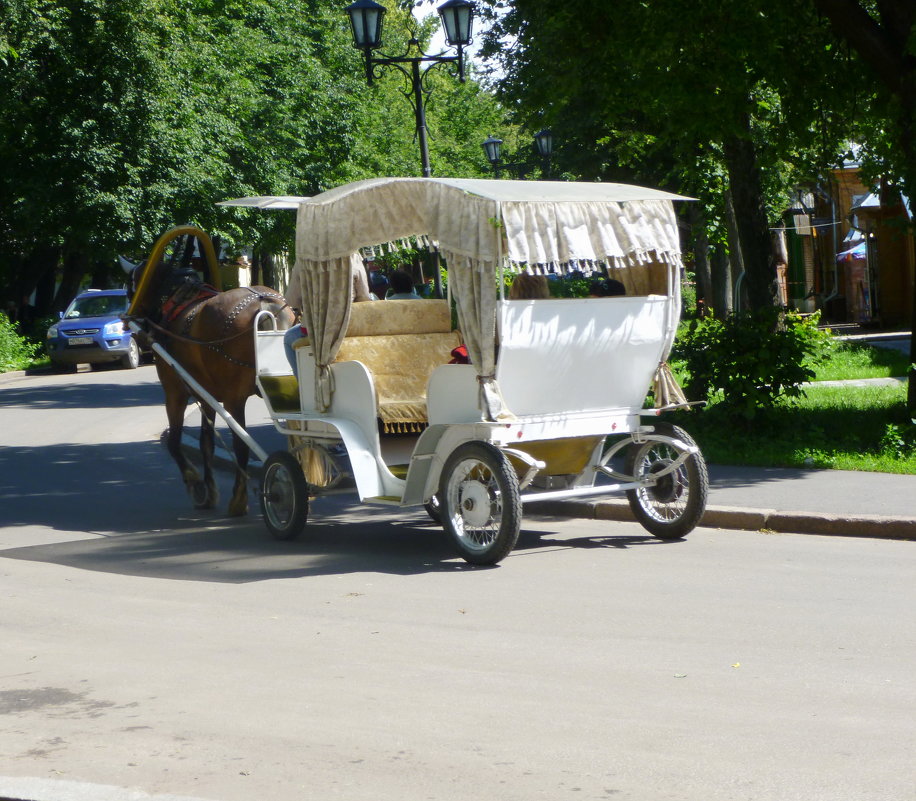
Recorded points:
(911, 374)
(267, 269)
(700, 255)
(746, 190)
(738, 286)
(44, 292)
(721, 283)
(37, 272)
(908, 148)
(75, 266)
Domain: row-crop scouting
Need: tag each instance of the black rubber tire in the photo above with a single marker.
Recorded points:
(480, 503)
(434, 509)
(671, 509)
(131, 359)
(284, 496)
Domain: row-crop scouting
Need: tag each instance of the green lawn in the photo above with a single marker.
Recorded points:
(838, 427)
(858, 360)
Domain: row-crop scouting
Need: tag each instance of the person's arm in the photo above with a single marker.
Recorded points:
(294, 293)
(360, 281)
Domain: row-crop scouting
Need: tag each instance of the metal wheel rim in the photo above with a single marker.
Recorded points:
(279, 496)
(666, 501)
(133, 353)
(475, 497)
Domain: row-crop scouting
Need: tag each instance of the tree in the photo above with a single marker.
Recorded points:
(125, 117)
(681, 96)
(882, 33)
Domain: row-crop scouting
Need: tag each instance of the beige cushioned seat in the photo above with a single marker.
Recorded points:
(401, 342)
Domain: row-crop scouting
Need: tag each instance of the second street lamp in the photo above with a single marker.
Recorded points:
(543, 140)
(543, 143)
(493, 146)
(366, 17)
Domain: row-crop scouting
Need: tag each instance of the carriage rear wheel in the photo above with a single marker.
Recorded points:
(480, 503)
(671, 508)
(284, 496)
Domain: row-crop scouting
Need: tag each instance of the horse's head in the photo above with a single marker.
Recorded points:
(148, 294)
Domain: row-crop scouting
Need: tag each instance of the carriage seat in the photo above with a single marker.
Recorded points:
(400, 342)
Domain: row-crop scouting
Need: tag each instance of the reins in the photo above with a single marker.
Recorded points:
(213, 344)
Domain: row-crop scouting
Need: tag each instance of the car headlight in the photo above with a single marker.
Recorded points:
(52, 332)
(114, 329)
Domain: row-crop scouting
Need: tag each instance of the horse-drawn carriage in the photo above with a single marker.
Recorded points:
(552, 403)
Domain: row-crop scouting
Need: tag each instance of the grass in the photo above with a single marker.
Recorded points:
(836, 427)
(848, 360)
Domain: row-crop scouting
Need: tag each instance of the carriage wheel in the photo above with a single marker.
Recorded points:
(284, 496)
(480, 503)
(671, 508)
(434, 509)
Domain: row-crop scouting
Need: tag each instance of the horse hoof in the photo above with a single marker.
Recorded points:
(238, 509)
(201, 495)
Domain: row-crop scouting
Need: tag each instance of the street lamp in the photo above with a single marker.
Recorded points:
(366, 17)
(493, 149)
(543, 140)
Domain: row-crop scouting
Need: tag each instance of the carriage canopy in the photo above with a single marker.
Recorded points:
(479, 226)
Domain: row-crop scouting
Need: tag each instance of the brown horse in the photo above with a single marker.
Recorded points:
(211, 335)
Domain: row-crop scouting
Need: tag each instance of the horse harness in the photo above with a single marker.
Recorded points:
(175, 305)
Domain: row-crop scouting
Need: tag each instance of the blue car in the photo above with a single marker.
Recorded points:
(91, 332)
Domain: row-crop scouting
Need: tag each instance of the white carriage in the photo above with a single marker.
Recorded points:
(552, 403)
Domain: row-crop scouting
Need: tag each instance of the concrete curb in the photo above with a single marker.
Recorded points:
(783, 522)
(734, 517)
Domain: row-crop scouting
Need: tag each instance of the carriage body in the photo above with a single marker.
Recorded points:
(556, 388)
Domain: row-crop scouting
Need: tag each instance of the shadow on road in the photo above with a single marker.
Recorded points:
(121, 508)
(90, 394)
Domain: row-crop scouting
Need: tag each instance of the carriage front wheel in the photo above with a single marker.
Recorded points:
(671, 507)
(480, 503)
(284, 495)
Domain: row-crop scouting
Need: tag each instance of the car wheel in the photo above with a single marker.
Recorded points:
(131, 359)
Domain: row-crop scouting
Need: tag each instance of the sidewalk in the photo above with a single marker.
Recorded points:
(787, 500)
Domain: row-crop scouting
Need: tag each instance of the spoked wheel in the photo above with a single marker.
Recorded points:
(671, 508)
(284, 496)
(480, 503)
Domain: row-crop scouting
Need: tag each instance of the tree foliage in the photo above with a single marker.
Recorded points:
(698, 98)
(125, 117)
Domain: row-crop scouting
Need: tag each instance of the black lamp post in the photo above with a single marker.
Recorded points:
(543, 142)
(493, 147)
(366, 17)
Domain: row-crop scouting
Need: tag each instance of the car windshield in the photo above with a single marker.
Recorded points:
(100, 306)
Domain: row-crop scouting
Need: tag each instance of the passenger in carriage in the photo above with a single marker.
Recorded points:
(526, 286)
(360, 292)
(402, 287)
(606, 288)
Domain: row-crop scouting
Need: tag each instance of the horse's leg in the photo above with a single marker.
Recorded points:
(207, 443)
(176, 402)
(238, 503)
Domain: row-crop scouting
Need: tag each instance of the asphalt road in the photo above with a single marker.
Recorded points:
(152, 649)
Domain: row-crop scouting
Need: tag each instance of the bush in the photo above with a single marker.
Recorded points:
(16, 353)
(755, 359)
